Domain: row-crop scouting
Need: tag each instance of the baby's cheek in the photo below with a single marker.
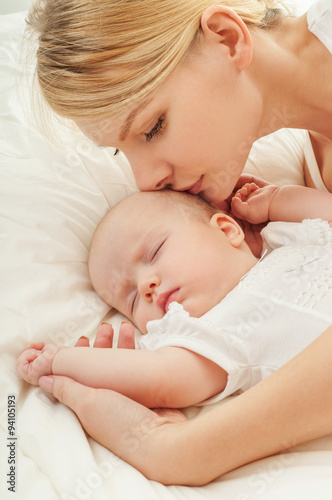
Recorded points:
(145, 317)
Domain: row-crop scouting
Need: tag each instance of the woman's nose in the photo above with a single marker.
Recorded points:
(152, 176)
(147, 286)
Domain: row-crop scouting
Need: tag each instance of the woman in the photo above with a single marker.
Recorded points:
(184, 92)
(185, 100)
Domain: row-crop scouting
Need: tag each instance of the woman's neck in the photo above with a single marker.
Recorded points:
(294, 72)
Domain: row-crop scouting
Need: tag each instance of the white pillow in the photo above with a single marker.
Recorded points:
(278, 157)
(52, 197)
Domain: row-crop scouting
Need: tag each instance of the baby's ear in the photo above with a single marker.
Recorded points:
(229, 227)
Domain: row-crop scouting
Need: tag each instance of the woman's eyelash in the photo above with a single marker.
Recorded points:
(156, 130)
(116, 151)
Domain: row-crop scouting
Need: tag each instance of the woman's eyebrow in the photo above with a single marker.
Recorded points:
(130, 118)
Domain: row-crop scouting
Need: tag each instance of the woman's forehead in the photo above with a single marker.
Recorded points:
(105, 131)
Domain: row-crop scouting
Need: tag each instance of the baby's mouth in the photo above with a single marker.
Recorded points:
(166, 298)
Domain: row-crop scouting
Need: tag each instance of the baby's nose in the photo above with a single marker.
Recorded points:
(147, 288)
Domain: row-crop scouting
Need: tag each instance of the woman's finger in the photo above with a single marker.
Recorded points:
(247, 179)
(83, 342)
(126, 336)
(66, 390)
(104, 337)
(171, 415)
(138, 435)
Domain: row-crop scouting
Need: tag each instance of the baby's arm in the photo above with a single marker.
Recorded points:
(170, 377)
(281, 203)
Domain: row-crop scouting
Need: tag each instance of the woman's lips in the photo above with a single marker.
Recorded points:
(197, 187)
(193, 188)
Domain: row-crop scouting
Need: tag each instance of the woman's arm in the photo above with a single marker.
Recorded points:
(291, 406)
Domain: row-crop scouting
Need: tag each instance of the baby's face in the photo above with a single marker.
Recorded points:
(154, 257)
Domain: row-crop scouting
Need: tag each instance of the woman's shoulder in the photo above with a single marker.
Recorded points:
(319, 17)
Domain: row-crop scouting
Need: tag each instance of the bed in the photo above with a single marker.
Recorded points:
(55, 187)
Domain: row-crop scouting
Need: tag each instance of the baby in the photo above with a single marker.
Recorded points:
(214, 318)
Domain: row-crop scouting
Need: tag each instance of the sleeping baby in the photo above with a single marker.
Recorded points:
(214, 318)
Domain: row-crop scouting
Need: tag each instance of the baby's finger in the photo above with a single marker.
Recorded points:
(246, 190)
(104, 337)
(240, 208)
(240, 195)
(33, 363)
(23, 361)
(126, 336)
(27, 356)
(36, 345)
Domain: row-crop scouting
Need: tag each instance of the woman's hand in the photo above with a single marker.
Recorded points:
(278, 414)
(130, 430)
(140, 436)
(247, 179)
(105, 336)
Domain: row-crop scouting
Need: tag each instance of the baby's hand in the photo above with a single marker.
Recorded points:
(36, 361)
(252, 202)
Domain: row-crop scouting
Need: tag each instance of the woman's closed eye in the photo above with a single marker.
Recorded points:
(156, 130)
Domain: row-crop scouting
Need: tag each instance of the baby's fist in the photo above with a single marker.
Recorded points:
(36, 361)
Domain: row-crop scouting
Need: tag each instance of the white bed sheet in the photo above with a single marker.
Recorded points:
(52, 195)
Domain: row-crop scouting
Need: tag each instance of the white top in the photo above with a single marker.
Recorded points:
(276, 310)
(319, 18)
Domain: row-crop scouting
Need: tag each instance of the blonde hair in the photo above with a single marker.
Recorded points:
(97, 57)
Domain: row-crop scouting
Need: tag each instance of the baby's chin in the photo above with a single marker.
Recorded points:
(196, 310)
(143, 328)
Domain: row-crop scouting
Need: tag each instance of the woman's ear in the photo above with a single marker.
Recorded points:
(224, 26)
(229, 227)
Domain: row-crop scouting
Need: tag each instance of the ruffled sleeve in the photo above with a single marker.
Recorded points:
(178, 329)
(319, 19)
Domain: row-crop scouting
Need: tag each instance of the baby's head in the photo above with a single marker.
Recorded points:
(154, 248)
